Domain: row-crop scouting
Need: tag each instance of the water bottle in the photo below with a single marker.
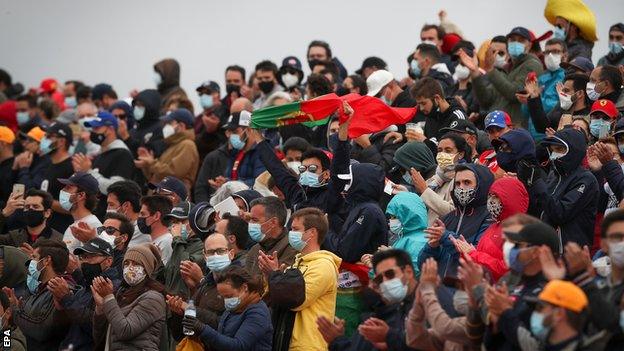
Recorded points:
(191, 312)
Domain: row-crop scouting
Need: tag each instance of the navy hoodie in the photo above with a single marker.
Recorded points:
(148, 131)
(567, 198)
(522, 147)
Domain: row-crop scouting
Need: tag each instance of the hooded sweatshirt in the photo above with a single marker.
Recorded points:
(148, 130)
(14, 271)
(410, 210)
(114, 163)
(169, 87)
(567, 198)
(416, 155)
(489, 252)
(522, 147)
(320, 273)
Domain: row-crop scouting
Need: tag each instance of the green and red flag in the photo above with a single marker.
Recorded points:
(311, 112)
(371, 115)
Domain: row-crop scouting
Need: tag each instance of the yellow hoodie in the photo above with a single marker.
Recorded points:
(320, 272)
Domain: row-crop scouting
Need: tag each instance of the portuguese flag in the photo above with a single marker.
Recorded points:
(370, 113)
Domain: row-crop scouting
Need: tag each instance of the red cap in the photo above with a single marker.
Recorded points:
(48, 85)
(605, 106)
(449, 41)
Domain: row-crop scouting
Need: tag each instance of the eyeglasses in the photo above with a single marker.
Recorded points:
(389, 274)
(108, 230)
(311, 168)
(221, 251)
(121, 116)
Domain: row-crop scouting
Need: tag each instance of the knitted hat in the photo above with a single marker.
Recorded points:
(147, 255)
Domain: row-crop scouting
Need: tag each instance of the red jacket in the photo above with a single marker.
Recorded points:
(489, 252)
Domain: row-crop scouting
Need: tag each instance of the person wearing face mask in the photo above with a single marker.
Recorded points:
(96, 259)
(427, 64)
(382, 84)
(575, 23)
(266, 228)
(239, 159)
(152, 221)
(309, 188)
(180, 158)
(290, 74)
(246, 325)
(393, 285)
(602, 117)
(120, 227)
(615, 56)
(166, 77)
(207, 125)
(319, 270)
(408, 220)
(496, 89)
(605, 82)
(236, 231)
(148, 131)
(7, 159)
(31, 164)
(572, 100)
(17, 340)
(133, 316)
(513, 147)
(412, 156)
(43, 325)
(462, 90)
(124, 198)
(567, 198)
(266, 74)
(186, 246)
(497, 123)
(37, 210)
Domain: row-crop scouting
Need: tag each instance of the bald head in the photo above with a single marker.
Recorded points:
(215, 241)
(86, 109)
(241, 104)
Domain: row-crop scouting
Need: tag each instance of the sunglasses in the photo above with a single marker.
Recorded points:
(121, 116)
(311, 168)
(108, 230)
(388, 275)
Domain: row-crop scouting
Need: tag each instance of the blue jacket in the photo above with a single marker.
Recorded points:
(411, 211)
(549, 96)
(249, 168)
(250, 330)
(365, 227)
(567, 198)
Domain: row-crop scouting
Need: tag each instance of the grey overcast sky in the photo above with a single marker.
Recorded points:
(117, 41)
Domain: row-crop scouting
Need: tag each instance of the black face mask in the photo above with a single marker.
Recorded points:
(33, 218)
(342, 91)
(313, 63)
(90, 271)
(143, 227)
(231, 88)
(97, 138)
(266, 87)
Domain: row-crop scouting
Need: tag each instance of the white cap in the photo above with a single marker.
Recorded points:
(377, 80)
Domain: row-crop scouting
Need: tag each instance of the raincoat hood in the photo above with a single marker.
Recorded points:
(513, 196)
(410, 210)
(169, 70)
(575, 143)
(484, 177)
(367, 183)
(417, 155)
(150, 98)
(522, 147)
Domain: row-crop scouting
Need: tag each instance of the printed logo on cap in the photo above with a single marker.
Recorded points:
(454, 124)
(603, 103)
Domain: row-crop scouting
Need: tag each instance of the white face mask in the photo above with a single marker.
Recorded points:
(616, 253)
(168, 131)
(565, 101)
(500, 61)
(592, 94)
(552, 62)
(289, 80)
(461, 72)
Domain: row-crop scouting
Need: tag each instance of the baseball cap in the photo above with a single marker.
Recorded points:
(579, 63)
(605, 106)
(61, 130)
(48, 85)
(536, 234)
(619, 127)
(209, 86)
(6, 135)
(35, 134)
(201, 217)
(99, 90)
(377, 80)
(497, 118)
(372, 61)
(180, 211)
(461, 126)
(564, 294)
(84, 181)
(181, 115)
(238, 119)
(95, 246)
(521, 31)
(292, 62)
(103, 118)
(172, 184)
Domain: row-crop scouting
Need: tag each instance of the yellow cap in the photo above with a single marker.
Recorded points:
(6, 135)
(36, 134)
(574, 11)
(564, 294)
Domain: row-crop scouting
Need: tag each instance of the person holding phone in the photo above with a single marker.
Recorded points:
(7, 137)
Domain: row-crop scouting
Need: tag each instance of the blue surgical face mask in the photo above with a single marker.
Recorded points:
(206, 101)
(231, 303)
(295, 239)
(510, 256)
(596, 127)
(396, 227)
(32, 280)
(537, 326)
(407, 177)
(515, 49)
(71, 102)
(559, 33)
(393, 290)
(22, 117)
(217, 263)
(416, 71)
(310, 179)
(157, 78)
(553, 155)
(255, 232)
(45, 146)
(615, 47)
(184, 232)
(236, 142)
(139, 112)
(65, 200)
(621, 148)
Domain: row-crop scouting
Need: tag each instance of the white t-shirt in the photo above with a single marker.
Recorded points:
(139, 238)
(163, 242)
(93, 222)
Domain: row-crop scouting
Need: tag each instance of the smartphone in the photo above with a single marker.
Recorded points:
(19, 189)
(566, 119)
